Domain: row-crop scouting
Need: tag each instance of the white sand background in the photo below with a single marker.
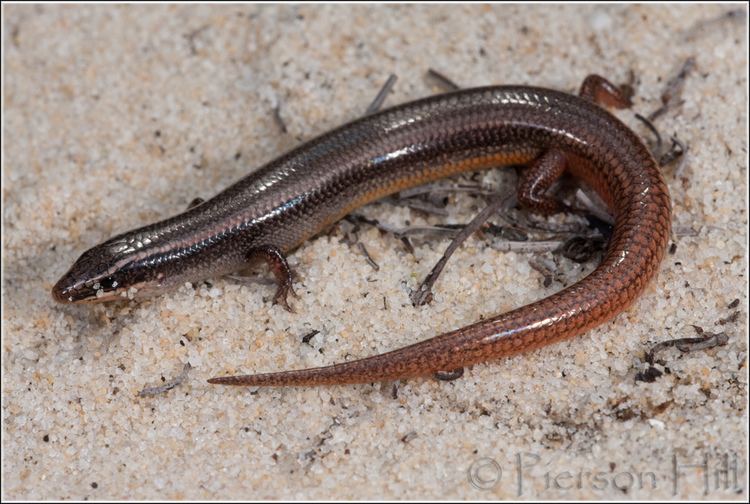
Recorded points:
(117, 116)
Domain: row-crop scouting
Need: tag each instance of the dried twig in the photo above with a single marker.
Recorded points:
(279, 120)
(581, 249)
(367, 255)
(677, 150)
(438, 188)
(419, 205)
(703, 342)
(169, 385)
(656, 150)
(442, 80)
(382, 95)
(527, 246)
(307, 337)
(423, 294)
(670, 97)
(734, 15)
(593, 204)
(545, 267)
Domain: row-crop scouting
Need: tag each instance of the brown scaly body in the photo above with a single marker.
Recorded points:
(274, 209)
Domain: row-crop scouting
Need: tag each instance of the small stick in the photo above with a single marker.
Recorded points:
(398, 232)
(678, 150)
(544, 268)
(598, 210)
(695, 344)
(657, 150)
(442, 80)
(680, 231)
(734, 15)
(423, 294)
(191, 36)
(407, 244)
(703, 342)
(152, 391)
(382, 94)
(278, 119)
(527, 246)
(419, 205)
(673, 89)
(367, 255)
(474, 189)
(307, 337)
(526, 221)
(581, 249)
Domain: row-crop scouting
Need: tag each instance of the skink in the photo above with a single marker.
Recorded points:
(274, 209)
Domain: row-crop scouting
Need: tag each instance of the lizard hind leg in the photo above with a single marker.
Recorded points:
(537, 179)
(602, 92)
(280, 268)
